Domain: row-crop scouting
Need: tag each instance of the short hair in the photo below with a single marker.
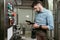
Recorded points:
(35, 3)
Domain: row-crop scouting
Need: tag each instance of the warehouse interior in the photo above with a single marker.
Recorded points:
(22, 11)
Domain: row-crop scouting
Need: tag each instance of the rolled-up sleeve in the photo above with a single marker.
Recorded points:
(50, 21)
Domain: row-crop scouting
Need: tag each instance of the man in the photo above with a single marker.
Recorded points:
(43, 20)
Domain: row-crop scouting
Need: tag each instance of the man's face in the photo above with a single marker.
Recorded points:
(37, 8)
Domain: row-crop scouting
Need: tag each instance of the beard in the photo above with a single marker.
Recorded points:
(38, 11)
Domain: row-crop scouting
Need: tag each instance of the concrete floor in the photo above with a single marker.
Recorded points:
(28, 38)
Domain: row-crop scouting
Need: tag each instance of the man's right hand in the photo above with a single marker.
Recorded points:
(36, 25)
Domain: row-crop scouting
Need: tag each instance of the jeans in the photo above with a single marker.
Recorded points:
(41, 35)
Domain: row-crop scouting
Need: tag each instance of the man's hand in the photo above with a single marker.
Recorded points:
(36, 25)
(43, 26)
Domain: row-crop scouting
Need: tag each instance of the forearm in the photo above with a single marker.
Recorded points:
(44, 27)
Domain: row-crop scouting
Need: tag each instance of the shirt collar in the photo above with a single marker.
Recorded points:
(44, 9)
